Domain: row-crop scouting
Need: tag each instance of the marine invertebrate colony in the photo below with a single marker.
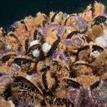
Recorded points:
(55, 60)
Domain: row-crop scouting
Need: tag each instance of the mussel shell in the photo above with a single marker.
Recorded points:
(95, 85)
(26, 45)
(72, 83)
(49, 84)
(24, 63)
(71, 34)
(97, 48)
(7, 56)
(83, 49)
(54, 47)
(75, 40)
(2, 45)
(53, 17)
(14, 36)
(20, 61)
(22, 90)
(99, 92)
(100, 19)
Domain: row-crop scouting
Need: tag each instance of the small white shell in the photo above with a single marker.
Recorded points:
(102, 41)
(46, 47)
(35, 53)
(34, 42)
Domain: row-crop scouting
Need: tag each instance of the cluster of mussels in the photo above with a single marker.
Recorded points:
(55, 60)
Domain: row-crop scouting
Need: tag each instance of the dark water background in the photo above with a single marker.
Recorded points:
(13, 10)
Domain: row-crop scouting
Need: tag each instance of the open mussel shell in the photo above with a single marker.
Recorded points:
(75, 40)
(24, 59)
(25, 63)
(83, 53)
(22, 91)
(100, 20)
(91, 96)
(89, 52)
(96, 50)
(8, 56)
